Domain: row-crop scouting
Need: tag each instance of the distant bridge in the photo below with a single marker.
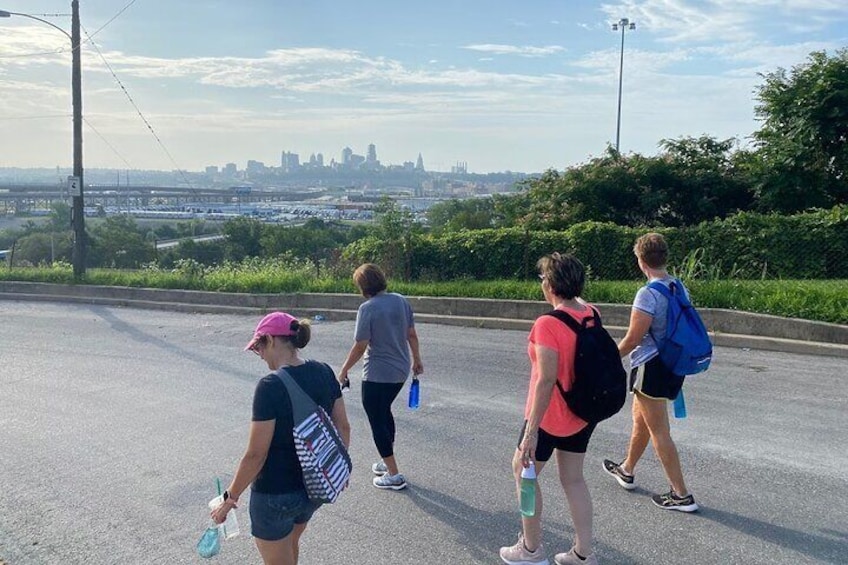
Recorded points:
(29, 196)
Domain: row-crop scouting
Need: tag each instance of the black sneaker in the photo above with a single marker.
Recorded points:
(670, 501)
(614, 470)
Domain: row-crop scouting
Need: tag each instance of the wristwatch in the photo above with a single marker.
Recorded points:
(229, 498)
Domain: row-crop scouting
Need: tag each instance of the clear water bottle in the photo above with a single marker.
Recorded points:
(230, 527)
(679, 405)
(414, 394)
(528, 490)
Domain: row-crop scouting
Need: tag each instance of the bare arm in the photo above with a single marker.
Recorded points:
(354, 355)
(339, 418)
(417, 365)
(548, 361)
(640, 323)
(258, 443)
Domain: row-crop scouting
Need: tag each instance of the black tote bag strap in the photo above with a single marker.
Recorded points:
(302, 404)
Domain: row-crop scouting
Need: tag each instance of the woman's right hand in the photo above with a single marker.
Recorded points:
(342, 378)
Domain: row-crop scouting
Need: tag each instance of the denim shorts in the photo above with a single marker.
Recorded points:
(273, 516)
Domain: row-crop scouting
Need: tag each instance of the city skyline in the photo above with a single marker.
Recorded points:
(495, 87)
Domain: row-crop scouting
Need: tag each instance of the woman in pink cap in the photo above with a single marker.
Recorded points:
(279, 505)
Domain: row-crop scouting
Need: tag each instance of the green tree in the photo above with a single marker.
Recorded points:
(40, 248)
(701, 181)
(456, 215)
(803, 142)
(244, 238)
(117, 242)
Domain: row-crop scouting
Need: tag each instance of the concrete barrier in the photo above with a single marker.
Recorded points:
(729, 328)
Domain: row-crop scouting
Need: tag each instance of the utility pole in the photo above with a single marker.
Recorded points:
(78, 208)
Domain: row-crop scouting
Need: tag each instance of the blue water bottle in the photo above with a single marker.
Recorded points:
(528, 490)
(414, 393)
(679, 405)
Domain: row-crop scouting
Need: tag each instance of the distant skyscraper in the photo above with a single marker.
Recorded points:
(320, 159)
(255, 167)
(230, 169)
(347, 153)
(211, 170)
(290, 162)
(371, 157)
(419, 164)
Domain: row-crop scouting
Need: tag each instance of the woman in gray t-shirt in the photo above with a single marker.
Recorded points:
(385, 335)
(652, 383)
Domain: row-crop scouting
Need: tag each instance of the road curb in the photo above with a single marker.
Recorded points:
(729, 328)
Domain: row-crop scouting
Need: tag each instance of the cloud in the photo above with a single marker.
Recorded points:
(523, 51)
(724, 20)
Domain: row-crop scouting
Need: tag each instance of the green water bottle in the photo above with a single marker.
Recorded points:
(528, 490)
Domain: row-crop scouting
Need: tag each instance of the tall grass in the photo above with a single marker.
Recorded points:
(814, 300)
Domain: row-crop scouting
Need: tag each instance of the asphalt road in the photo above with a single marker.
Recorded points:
(115, 422)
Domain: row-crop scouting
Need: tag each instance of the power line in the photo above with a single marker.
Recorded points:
(109, 145)
(64, 49)
(115, 17)
(138, 110)
(39, 117)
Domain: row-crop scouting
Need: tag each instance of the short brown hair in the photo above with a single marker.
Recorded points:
(565, 274)
(370, 279)
(652, 249)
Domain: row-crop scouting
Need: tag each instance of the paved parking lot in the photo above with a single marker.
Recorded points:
(115, 422)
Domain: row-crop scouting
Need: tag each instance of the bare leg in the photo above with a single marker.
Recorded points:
(655, 413)
(639, 438)
(295, 535)
(391, 464)
(532, 526)
(570, 467)
(276, 552)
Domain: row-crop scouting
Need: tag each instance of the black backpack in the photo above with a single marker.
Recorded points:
(600, 382)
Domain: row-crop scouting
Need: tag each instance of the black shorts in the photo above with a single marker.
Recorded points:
(576, 443)
(655, 381)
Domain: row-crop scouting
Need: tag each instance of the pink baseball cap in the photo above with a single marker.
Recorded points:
(275, 323)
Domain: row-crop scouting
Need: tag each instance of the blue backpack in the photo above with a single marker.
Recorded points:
(686, 349)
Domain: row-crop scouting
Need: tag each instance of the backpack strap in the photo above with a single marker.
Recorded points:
(575, 326)
(571, 322)
(301, 403)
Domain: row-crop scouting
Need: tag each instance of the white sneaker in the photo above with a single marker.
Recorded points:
(518, 554)
(387, 481)
(571, 558)
(379, 468)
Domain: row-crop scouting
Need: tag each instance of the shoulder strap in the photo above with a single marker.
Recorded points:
(302, 403)
(662, 289)
(576, 327)
(569, 320)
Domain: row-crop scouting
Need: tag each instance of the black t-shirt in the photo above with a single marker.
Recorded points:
(281, 472)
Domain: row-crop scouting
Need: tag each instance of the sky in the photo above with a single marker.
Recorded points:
(498, 84)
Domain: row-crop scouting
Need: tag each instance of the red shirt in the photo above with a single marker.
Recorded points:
(549, 332)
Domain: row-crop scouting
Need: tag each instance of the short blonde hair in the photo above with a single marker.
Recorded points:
(652, 249)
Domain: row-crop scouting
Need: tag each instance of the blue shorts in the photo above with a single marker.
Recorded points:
(273, 516)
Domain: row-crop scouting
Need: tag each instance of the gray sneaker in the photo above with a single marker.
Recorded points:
(615, 471)
(387, 481)
(379, 468)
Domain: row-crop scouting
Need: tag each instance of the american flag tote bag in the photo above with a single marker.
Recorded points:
(323, 458)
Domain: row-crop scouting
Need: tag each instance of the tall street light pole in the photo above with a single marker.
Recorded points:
(75, 183)
(624, 24)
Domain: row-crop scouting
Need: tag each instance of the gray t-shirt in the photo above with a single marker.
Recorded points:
(655, 305)
(384, 320)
